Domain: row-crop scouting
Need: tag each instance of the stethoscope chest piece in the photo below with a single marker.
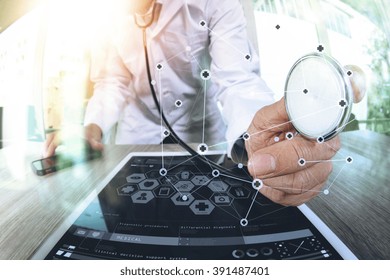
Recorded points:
(318, 96)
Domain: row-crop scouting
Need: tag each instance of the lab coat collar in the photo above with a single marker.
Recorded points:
(168, 9)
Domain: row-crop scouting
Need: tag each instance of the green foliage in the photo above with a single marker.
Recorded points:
(377, 11)
(379, 93)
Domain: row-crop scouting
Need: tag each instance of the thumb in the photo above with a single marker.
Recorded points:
(93, 135)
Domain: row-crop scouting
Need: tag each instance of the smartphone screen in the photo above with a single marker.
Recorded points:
(64, 159)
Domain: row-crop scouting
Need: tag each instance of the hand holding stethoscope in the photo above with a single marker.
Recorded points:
(292, 141)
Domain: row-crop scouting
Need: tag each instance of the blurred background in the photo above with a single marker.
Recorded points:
(45, 46)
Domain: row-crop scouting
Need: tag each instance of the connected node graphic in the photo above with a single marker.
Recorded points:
(216, 173)
(163, 172)
(203, 148)
(257, 184)
(205, 75)
(320, 140)
(178, 103)
(159, 67)
(244, 222)
(186, 183)
(301, 162)
(246, 136)
(326, 192)
(343, 103)
(289, 135)
(166, 133)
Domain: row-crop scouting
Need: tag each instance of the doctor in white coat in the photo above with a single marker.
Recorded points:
(206, 76)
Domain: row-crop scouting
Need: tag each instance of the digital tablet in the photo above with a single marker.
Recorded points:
(175, 206)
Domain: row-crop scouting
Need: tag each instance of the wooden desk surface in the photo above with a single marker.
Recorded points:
(357, 208)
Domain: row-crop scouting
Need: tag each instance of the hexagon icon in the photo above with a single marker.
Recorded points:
(200, 180)
(169, 180)
(148, 184)
(178, 199)
(184, 175)
(221, 199)
(142, 197)
(184, 186)
(135, 178)
(202, 207)
(239, 192)
(164, 191)
(127, 189)
(218, 186)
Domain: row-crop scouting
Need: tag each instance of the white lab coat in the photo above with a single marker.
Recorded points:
(184, 48)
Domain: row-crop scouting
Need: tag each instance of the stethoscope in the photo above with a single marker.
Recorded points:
(217, 168)
(318, 97)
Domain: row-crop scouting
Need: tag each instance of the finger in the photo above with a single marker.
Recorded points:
(269, 122)
(286, 157)
(301, 181)
(93, 135)
(50, 150)
(96, 145)
(286, 199)
(50, 145)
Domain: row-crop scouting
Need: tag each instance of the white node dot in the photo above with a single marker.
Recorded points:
(244, 222)
(301, 162)
(184, 198)
(166, 133)
(178, 103)
(188, 48)
(205, 75)
(215, 173)
(320, 140)
(240, 165)
(153, 82)
(203, 148)
(276, 139)
(289, 135)
(246, 136)
(257, 184)
(326, 192)
(159, 67)
(349, 159)
(202, 23)
(163, 172)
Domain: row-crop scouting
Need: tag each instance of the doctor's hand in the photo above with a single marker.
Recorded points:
(51, 143)
(92, 134)
(275, 151)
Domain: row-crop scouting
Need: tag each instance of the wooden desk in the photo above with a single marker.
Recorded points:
(358, 206)
(31, 207)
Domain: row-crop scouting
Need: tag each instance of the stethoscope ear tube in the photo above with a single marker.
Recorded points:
(173, 134)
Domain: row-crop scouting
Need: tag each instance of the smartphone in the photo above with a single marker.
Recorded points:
(64, 159)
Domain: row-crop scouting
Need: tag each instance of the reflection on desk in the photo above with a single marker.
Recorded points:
(356, 208)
